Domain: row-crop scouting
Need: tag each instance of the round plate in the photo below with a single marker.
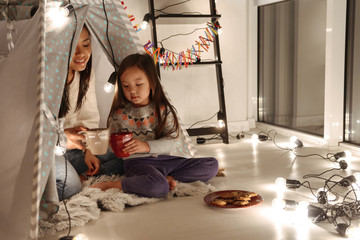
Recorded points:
(211, 196)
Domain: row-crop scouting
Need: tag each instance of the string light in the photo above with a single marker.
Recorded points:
(347, 181)
(146, 20)
(58, 16)
(59, 151)
(283, 183)
(357, 176)
(295, 142)
(332, 204)
(344, 154)
(348, 231)
(285, 204)
(325, 195)
(81, 236)
(221, 118)
(260, 137)
(317, 214)
(254, 138)
(109, 86)
(343, 164)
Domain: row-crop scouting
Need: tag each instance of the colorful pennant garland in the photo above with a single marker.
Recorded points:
(175, 61)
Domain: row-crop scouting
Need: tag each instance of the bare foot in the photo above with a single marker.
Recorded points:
(83, 178)
(171, 181)
(107, 185)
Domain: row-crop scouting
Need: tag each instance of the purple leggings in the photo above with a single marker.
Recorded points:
(147, 176)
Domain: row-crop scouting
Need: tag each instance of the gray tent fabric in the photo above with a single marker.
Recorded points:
(32, 75)
(18, 96)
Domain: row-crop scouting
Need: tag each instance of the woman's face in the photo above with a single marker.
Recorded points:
(82, 52)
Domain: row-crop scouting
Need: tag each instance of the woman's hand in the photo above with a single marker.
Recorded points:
(136, 146)
(73, 138)
(92, 162)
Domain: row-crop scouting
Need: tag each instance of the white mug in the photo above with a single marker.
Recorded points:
(96, 140)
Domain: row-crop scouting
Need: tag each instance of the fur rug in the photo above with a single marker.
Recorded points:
(87, 205)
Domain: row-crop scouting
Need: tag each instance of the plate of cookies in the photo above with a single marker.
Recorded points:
(233, 199)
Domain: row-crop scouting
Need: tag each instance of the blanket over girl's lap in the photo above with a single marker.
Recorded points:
(87, 205)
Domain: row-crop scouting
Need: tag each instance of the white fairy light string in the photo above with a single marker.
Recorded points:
(336, 202)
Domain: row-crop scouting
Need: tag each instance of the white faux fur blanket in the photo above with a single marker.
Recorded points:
(87, 205)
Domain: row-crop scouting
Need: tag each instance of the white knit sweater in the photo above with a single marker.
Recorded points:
(88, 115)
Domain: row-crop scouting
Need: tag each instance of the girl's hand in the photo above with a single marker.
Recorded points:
(92, 162)
(136, 146)
(73, 138)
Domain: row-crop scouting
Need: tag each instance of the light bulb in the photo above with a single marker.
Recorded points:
(348, 153)
(59, 151)
(254, 138)
(263, 137)
(348, 231)
(81, 236)
(280, 183)
(287, 183)
(344, 154)
(321, 195)
(278, 203)
(343, 164)
(146, 20)
(220, 123)
(357, 176)
(295, 142)
(347, 181)
(108, 87)
(302, 210)
(220, 119)
(303, 206)
(284, 204)
(144, 25)
(317, 214)
(353, 232)
(58, 15)
(324, 195)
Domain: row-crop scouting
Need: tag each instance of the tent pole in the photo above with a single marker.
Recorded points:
(36, 193)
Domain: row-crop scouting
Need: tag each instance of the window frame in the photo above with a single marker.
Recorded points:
(334, 68)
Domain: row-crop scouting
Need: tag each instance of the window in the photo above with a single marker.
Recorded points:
(352, 88)
(291, 64)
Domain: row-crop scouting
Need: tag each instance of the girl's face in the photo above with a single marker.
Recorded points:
(82, 52)
(135, 86)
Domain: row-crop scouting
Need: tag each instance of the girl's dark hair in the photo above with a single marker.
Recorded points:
(83, 87)
(145, 63)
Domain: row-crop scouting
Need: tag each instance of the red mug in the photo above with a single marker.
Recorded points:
(117, 141)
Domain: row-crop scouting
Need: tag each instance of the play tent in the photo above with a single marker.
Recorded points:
(34, 55)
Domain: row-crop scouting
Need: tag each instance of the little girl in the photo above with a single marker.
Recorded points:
(141, 107)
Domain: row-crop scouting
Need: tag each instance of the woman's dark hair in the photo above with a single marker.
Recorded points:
(145, 63)
(83, 87)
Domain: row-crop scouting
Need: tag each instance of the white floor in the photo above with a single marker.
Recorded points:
(247, 167)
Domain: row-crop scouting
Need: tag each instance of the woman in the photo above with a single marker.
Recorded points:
(79, 108)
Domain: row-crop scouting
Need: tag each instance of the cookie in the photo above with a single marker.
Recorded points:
(243, 198)
(228, 200)
(227, 195)
(218, 202)
(240, 203)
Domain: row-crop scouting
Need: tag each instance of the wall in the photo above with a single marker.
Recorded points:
(193, 91)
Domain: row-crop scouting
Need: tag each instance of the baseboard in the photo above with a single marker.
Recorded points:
(233, 127)
(314, 139)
